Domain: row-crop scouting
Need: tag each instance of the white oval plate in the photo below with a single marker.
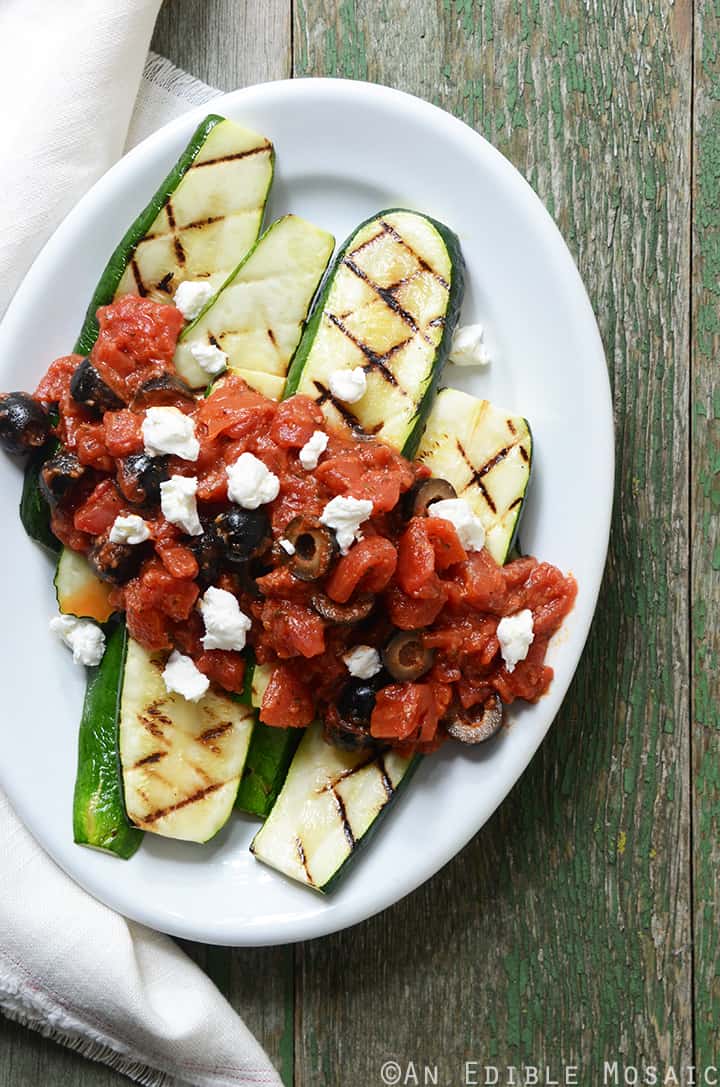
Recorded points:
(344, 151)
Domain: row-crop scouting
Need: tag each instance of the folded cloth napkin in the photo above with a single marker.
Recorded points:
(69, 966)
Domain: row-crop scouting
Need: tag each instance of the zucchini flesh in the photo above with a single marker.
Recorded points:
(203, 218)
(98, 811)
(390, 305)
(181, 761)
(330, 800)
(486, 453)
(258, 316)
(79, 590)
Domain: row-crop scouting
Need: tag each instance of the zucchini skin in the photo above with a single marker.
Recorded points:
(99, 818)
(111, 276)
(268, 760)
(452, 314)
(34, 510)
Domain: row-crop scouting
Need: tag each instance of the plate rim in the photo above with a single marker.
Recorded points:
(322, 922)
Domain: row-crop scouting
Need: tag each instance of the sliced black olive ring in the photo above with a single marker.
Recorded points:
(167, 390)
(58, 475)
(477, 724)
(353, 612)
(423, 493)
(315, 548)
(406, 658)
(24, 424)
(89, 389)
(140, 476)
(116, 562)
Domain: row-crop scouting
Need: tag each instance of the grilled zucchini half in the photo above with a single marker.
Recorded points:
(486, 453)
(202, 220)
(271, 750)
(98, 812)
(258, 316)
(390, 306)
(79, 590)
(330, 800)
(181, 761)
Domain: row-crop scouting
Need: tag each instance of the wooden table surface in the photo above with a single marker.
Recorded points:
(583, 923)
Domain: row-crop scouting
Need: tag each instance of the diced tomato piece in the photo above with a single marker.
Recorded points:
(224, 667)
(145, 623)
(280, 584)
(416, 559)
(55, 385)
(287, 702)
(294, 629)
(91, 449)
(484, 581)
(445, 542)
(235, 410)
(123, 432)
(367, 567)
(295, 421)
(409, 613)
(62, 525)
(173, 596)
(371, 471)
(177, 560)
(97, 513)
(405, 711)
(136, 342)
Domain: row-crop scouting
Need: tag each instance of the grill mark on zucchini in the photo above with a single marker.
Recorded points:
(214, 733)
(389, 299)
(396, 236)
(343, 411)
(489, 465)
(236, 155)
(524, 453)
(141, 288)
(165, 282)
(511, 427)
(177, 244)
(370, 241)
(340, 805)
(475, 480)
(154, 756)
(303, 860)
(387, 783)
(198, 795)
(374, 361)
(517, 502)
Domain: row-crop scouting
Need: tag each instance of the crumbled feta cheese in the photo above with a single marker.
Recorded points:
(287, 545)
(345, 515)
(209, 358)
(84, 637)
(313, 449)
(226, 626)
(348, 385)
(179, 505)
(468, 527)
(191, 296)
(167, 430)
(129, 530)
(250, 483)
(467, 348)
(182, 677)
(515, 634)
(363, 661)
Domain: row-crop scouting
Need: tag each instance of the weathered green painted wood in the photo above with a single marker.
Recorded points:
(705, 589)
(562, 933)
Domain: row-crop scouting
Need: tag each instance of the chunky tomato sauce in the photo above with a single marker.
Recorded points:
(406, 573)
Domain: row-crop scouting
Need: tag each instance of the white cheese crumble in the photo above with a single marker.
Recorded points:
(167, 430)
(182, 677)
(468, 527)
(191, 296)
(287, 545)
(84, 637)
(348, 385)
(209, 358)
(363, 661)
(345, 515)
(179, 505)
(129, 530)
(226, 626)
(515, 634)
(251, 483)
(467, 348)
(313, 449)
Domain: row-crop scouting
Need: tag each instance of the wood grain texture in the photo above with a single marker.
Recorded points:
(705, 408)
(562, 933)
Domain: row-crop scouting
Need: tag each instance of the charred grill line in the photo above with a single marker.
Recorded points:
(345, 774)
(164, 284)
(344, 412)
(421, 260)
(141, 288)
(474, 479)
(214, 732)
(347, 829)
(177, 244)
(374, 360)
(154, 757)
(387, 783)
(271, 336)
(199, 794)
(303, 859)
(389, 299)
(212, 340)
(517, 502)
(204, 222)
(437, 322)
(154, 729)
(236, 155)
(511, 427)
(524, 453)
(359, 248)
(489, 465)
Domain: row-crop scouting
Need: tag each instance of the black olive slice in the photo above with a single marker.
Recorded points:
(315, 548)
(139, 477)
(477, 724)
(167, 390)
(89, 389)
(406, 658)
(419, 497)
(24, 424)
(349, 733)
(353, 612)
(116, 562)
(58, 475)
(242, 533)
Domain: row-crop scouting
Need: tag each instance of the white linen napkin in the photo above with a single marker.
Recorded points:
(70, 967)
